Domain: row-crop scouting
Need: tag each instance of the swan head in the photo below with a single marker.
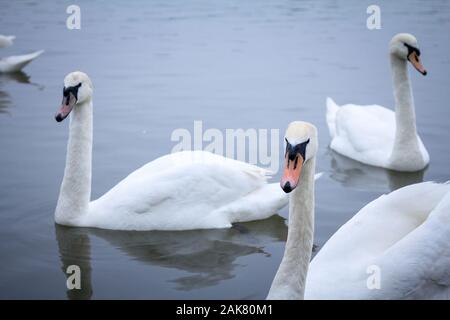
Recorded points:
(77, 89)
(301, 146)
(404, 46)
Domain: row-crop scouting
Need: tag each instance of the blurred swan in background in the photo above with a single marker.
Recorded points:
(405, 235)
(17, 63)
(6, 41)
(375, 135)
(180, 191)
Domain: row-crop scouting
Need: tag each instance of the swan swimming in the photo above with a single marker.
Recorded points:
(375, 135)
(179, 191)
(405, 234)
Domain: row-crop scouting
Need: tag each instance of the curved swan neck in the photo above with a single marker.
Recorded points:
(406, 133)
(75, 190)
(289, 282)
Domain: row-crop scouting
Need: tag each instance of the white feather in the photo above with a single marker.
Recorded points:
(187, 190)
(6, 41)
(375, 135)
(17, 63)
(406, 234)
(179, 191)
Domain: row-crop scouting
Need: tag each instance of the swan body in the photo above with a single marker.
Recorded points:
(180, 191)
(404, 234)
(17, 63)
(375, 135)
(6, 41)
(367, 134)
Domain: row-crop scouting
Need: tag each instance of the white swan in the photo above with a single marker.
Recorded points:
(6, 41)
(401, 240)
(298, 177)
(376, 135)
(185, 190)
(404, 236)
(17, 63)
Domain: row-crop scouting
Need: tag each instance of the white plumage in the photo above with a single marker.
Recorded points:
(365, 133)
(6, 41)
(402, 239)
(405, 234)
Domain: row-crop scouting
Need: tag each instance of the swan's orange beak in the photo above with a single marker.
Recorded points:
(67, 104)
(291, 172)
(415, 61)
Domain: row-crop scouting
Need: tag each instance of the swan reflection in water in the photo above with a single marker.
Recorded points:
(354, 174)
(209, 255)
(15, 77)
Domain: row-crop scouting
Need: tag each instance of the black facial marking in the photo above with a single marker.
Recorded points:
(73, 90)
(292, 152)
(412, 49)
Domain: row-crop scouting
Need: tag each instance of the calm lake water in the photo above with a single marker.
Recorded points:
(158, 66)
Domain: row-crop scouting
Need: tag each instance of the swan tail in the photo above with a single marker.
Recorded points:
(259, 204)
(332, 109)
(17, 63)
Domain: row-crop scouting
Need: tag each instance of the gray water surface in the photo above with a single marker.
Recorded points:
(158, 66)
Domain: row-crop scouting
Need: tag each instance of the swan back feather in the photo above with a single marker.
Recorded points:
(397, 232)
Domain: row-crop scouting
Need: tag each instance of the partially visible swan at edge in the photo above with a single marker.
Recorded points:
(376, 135)
(405, 234)
(180, 191)
(6, 41)
(17, 63)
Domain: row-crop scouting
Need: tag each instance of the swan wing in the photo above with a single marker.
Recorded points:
(397, 234)
(6, 41)
(17, 63)
(187, 190)
(363, 133)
